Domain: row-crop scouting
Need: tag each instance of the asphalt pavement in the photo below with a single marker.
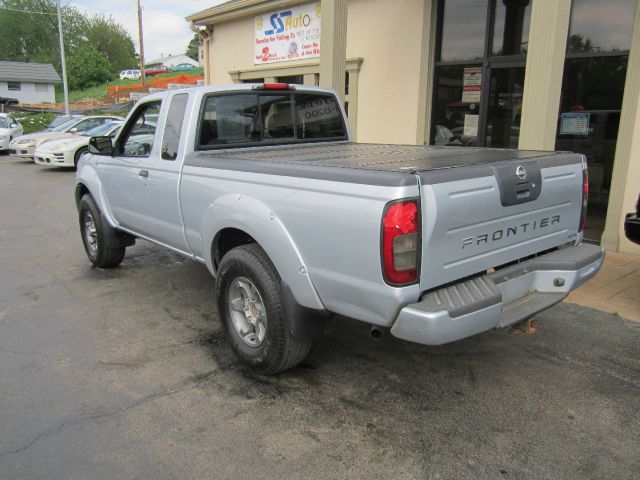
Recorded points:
(125, 374)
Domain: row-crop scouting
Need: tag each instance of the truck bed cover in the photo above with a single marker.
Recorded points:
(374, 164)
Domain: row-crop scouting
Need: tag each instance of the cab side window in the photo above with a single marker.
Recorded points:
(137, 139)
(173, 126)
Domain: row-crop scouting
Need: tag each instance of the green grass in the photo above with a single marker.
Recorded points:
(101, 90)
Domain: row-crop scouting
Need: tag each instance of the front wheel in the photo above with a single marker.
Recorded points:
(78, 155)
(249, 300)
(93, 236)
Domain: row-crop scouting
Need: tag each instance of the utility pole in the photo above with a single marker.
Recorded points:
(142, 75)
(64, 64)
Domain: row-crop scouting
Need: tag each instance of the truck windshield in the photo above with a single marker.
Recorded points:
(249, 119)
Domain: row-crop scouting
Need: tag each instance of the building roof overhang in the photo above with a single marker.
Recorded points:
(235, 9)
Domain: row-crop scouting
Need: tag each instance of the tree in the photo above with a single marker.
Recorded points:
(28, 36)
(31, 37)
(193, 48)
(112, 40)
(87, 67)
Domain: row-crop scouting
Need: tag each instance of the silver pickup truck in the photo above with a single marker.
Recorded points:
(265, 186)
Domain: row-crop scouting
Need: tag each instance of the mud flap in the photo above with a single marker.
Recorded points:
(114, 238)
(304, 323)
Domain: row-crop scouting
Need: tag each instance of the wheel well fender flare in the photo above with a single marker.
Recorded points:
(87, 181)
(254, 218)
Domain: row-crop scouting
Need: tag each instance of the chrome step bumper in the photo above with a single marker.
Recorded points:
(497, 299)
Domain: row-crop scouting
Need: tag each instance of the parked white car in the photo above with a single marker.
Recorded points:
(9, 129)
(66, 152)
(26, 145)
(130, 75)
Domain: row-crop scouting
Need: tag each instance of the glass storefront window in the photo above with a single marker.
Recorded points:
(511, 27)
(600, 26)
(592, 90)
(463, 30)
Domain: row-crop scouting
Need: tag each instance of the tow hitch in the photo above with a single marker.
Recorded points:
(526, 327)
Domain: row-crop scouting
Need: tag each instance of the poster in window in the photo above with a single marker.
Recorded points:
(289, 34)
(470, 125)
(471, 84)
(574, 123)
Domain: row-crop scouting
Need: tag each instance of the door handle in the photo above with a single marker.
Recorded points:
(143, 173)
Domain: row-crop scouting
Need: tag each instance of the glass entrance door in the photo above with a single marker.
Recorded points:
(506, 86)
(479, 75)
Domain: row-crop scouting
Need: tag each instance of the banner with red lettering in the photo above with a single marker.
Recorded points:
(289, 34)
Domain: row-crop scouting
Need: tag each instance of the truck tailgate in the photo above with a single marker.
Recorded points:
(478, 217)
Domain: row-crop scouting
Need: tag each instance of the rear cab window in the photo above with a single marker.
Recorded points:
(252, 118)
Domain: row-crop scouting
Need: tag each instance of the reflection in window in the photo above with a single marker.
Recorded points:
(505, 107)
(292, 79)
(137, 140)
(318, 116)
(173, 126)
(236, 119)
(230, 119)
(511, 27)
(592, 90)
(600, 26)
(463, 30)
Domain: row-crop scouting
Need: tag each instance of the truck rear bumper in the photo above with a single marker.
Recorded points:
(497, 299)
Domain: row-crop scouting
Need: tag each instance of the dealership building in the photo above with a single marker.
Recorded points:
(529, 74)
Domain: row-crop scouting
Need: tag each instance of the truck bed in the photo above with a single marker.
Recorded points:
(374, 164)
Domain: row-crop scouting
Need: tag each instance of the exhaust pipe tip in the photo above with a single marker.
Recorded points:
(375, 332)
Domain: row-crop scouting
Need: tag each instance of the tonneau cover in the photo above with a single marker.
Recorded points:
(355, 162)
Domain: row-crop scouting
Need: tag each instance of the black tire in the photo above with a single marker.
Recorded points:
(278, 351)
(93, 238)
(79, 153)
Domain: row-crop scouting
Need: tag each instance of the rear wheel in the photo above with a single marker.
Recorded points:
(93, 233)
(249, 299)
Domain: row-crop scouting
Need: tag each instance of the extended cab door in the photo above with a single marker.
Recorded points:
(141, 180)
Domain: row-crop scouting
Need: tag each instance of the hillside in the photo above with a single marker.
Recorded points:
(101, 91)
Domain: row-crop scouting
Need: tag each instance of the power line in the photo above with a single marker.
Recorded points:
(2, 7)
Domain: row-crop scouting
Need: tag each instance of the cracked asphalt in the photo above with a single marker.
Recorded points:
(125, 374)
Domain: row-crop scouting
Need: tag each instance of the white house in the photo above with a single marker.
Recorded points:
(28, 82)
(172, 60)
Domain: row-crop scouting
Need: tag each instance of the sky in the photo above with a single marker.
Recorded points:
(164, 26)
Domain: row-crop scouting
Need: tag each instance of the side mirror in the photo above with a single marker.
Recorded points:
(73, 130)
(101, 146)
(13, 125)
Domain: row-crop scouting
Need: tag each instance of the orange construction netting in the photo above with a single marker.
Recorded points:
(157, 82)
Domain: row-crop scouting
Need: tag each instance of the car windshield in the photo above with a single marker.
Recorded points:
(4, 123)
(65, 125)
(100, 130)
(59, 121)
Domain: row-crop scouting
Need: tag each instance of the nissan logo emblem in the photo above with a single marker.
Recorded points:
(521, 172)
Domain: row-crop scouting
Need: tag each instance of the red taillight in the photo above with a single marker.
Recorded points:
(585, 197)
(400, 242)
(273, 86)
